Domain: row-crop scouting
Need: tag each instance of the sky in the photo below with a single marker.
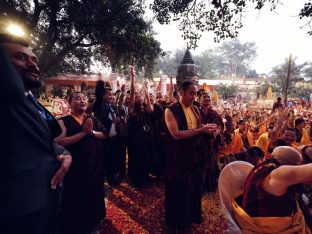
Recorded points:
(276, 34)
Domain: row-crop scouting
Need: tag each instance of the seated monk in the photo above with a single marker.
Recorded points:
(302, 136)
(269, 198)
(263, 142)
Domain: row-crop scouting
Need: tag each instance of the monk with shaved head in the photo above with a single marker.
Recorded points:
(269, 202)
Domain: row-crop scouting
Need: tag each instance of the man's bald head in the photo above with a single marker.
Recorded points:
(287, 155)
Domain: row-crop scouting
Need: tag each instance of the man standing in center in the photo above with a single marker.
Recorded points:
(183, 172)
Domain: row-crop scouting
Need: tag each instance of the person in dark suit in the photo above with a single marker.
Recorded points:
(32, 166)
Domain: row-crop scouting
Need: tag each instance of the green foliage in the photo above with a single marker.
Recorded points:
(307, 71)
(232, 57)
(227, 91)
(235, 58)
(263, 89)
(252, 74)
(302, 93)
(207, 64)
(306, 12)
(279, 74)
(66, 34)
(168, 63)
(223, 18)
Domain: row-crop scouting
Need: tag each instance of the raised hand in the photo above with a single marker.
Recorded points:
(132, 71)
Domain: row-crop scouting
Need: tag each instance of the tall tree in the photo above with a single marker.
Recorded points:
(307, 71)
(235, 57)
(223, 18)
(68, 33)
(169, 62)
(279, 74)
(232, 57)
(207, 64)
(227, 91)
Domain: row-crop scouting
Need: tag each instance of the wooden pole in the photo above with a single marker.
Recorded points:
(287, 79)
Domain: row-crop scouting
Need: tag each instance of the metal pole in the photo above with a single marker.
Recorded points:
(287, 79)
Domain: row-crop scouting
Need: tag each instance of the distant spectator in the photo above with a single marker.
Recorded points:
(277, 104)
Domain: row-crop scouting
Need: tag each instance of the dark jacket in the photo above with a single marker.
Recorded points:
(27, 153)
(102, 114)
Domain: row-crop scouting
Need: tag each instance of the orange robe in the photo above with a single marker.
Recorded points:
(305, 139)
(235, 146)
(256, 135)
(263, 143)
(249, 137)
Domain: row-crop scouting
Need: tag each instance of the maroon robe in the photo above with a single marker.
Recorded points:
(259, 203)
(183, 175)
(82, 203)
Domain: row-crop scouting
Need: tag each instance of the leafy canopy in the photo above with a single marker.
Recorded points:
(231, 57)
(222, 17)
(68, 34)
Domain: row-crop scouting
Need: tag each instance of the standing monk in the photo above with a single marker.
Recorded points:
(211, 168)
(183, 173)
(82, 204)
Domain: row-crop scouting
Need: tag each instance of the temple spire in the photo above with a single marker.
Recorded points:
(187, 59)
(187, 71)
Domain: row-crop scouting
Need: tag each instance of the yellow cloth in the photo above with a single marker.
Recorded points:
(263, 143)
(256, 135)
(249, 137)
(305, 139)
(263, 129)
(190, 117)
(235, 146)
(308, 130)
(288, 224)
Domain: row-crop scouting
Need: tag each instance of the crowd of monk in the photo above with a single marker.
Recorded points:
(186, 140)
(182, 138)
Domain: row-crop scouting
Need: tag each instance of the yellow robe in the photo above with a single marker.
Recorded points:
(249, 137)
(190, 117)
(235, 146)
(256, 135)
(263, 143)
(305, 139)
(288, 224)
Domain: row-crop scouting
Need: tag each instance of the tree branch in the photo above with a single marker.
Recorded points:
(35, 18)
(88, 44)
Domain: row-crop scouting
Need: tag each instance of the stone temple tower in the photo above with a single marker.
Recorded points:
(187, 71)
